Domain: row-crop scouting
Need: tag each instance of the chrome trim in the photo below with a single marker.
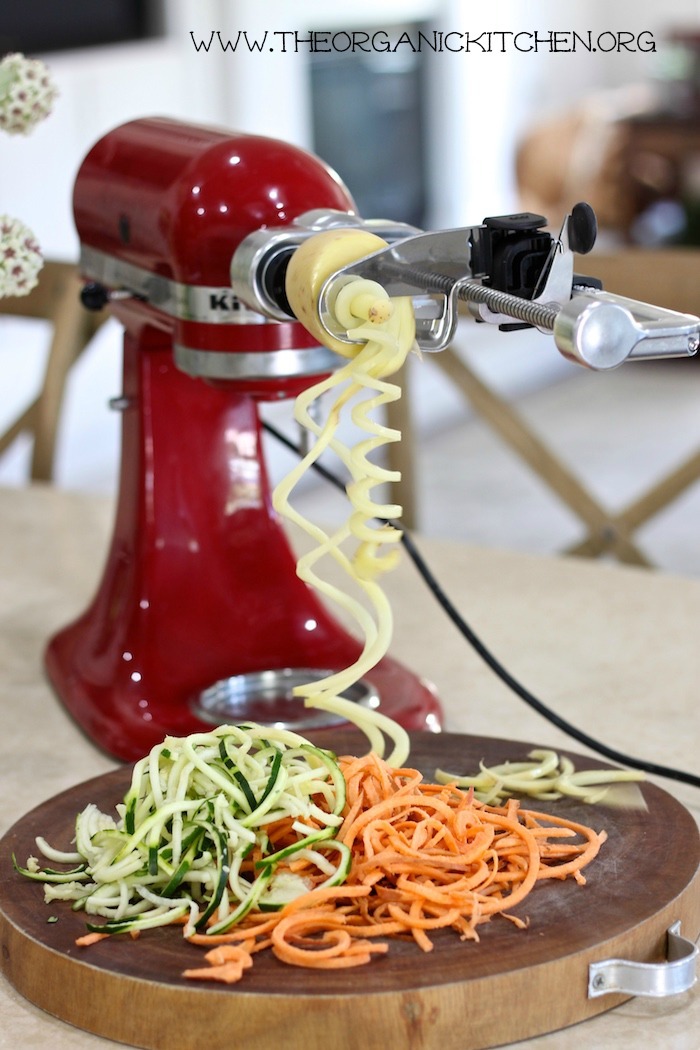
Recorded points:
(185, 302)
(268, 364)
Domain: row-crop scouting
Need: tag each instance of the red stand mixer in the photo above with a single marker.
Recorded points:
(199, 617)
(186, 232)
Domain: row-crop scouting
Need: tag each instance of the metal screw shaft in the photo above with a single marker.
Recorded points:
(540, 315)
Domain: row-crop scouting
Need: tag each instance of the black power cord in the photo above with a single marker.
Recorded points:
(491, 661)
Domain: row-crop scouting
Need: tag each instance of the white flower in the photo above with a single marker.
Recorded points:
(20, 258)
(27, 93)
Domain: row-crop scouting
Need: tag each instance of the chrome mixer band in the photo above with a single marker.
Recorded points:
(202, 304)
(186, 302)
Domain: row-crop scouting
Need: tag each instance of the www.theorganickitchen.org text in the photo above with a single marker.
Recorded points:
(286, 41)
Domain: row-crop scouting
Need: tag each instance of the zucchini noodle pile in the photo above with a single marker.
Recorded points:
(208, 831)
(361, 388)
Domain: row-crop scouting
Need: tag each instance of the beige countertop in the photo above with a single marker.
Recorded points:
(614, 650)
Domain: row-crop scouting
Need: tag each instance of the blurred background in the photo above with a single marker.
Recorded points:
(548, 458)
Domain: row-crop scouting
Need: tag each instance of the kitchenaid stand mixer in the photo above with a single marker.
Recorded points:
(187, 232)
(199, 617)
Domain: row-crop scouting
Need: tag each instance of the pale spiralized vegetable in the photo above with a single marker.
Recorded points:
(547, 777)
(385, 331)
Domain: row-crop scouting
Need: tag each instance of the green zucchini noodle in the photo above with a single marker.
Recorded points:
(196, 838)
(362, 389)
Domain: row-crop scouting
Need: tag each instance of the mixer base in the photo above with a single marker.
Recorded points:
(268, 697)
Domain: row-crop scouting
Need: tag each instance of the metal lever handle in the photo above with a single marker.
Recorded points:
(601, 330)
(675, 975)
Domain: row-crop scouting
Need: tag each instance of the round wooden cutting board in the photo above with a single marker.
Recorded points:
(512, 985)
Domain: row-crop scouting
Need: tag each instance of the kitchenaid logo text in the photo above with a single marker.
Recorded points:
(223, 299)
(357, 41)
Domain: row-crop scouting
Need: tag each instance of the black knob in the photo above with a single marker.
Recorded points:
(582, 228)
(94, 296)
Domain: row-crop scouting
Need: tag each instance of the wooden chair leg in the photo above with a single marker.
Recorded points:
(56, 299)
(507, 423)
(24, 422)
(71, 334)
(661, 494)
(644, 508)
(607, 533)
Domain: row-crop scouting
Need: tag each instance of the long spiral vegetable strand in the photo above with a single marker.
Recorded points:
(362, 386)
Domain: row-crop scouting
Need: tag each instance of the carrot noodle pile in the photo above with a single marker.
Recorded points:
(424, 857)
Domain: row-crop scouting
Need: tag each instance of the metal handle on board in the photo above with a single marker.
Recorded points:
(675, 975)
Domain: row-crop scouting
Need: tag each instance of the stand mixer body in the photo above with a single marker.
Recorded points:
(199, 589)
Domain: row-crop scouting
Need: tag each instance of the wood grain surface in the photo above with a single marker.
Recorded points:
(512, 985)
